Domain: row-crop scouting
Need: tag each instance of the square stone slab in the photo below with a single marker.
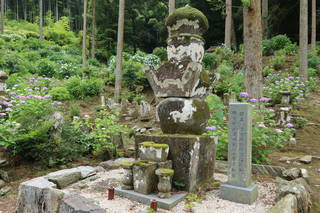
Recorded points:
(146, 199)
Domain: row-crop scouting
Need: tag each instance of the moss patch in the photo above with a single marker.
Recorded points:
(126, 163)
(143, 163)
(165, 172)
(154, 145)
(190, 13)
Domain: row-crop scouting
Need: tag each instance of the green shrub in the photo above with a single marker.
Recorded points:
(277, 62)
(280, 41)
(60, 94)
(74, 110)
(161, 52)
(92, 87)
(74, 87)
(80, 88)
(45, 67)
(60, 32)
(209, 61)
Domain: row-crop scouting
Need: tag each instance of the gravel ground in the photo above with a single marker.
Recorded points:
(95, 188)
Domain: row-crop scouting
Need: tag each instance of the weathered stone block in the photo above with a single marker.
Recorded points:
(238, 194)
(288, 204)
(153, 152)
(192, 157)
(183, 116)
(65, 177)
(144, 177)
(78, 204)
(38, 196)
(175, 78)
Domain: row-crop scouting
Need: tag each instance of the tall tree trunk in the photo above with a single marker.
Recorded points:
(233, 34)
(2, 17)
(228, 24)
(303, 39)
(253, 49)
(94, 30)
(41, 19)
(57, 10)
(172, 6)
(17, 8)
(265, 14)
(84, 34)
(118, 71)
(25, 10)
(314, 25)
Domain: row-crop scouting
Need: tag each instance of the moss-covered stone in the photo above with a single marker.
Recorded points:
(193, 157)
(154, 145)
(126, 163)
(143, 163)
(164, 172)
(183, 116)
(190, 13)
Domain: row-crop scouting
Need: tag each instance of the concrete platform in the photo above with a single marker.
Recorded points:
(146, 199)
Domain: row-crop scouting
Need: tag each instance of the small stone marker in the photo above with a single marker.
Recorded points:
(239, 187)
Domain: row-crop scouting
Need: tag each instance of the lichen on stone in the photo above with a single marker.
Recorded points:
(154, 145)
(164, 172)
(187, 36)
(190, 13)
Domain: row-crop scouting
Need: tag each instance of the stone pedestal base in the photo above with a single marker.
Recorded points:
(245, 195)
(193, 157)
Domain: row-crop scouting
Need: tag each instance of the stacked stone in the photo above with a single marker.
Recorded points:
(284, 109)
(141, 175)
(177, 81)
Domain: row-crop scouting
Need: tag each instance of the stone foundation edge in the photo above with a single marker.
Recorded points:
(245, 195)
(146, 199)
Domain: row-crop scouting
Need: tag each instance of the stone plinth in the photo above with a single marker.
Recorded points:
(192, 156)
(144, 177)
(239, 187)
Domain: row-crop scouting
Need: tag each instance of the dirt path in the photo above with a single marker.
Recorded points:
(308, 143)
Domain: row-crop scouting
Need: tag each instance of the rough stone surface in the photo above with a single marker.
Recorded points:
(109, 165)
(291, 174)
(301, 193)
(306, 159)
(64, 177)
(4, 190)
(153, 154)
(38, 196)
(183, 116)
(192, 157)
(167, 164)
(274, 171)
(86, 171)
(78, 204)
(4, 175)
(144, 178)
(175, 79)
(2, 184)
(285, 159)
(287, 204)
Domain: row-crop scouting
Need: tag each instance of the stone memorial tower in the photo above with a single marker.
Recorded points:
(182, 112)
